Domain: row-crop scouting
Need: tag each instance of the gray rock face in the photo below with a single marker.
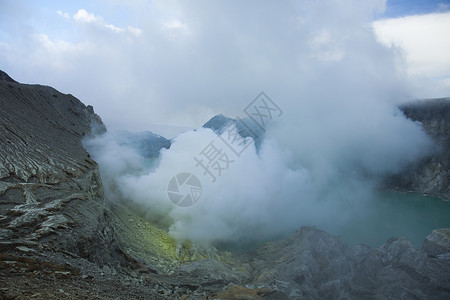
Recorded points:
(5, 77)
(312, 264)
(438, 242)
(431, 175)
(50, 189)
(58, 238)
(245, 127)
(217, 123)
(147, 143)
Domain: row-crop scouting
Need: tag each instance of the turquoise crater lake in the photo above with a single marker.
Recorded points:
(392, 214)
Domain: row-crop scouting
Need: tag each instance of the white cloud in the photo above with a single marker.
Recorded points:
(325, 49)
(64, 15)
(175, 24)
(85, 17)
(339, 131)
(82, 16)
(133, 30)
(177, 63)
(425, 41)
(56, 46)
(57, 52)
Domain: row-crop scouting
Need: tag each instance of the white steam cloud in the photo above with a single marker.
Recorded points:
(318, 176)
(338, 87)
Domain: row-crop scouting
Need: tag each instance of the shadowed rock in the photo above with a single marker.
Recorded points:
(312, 264)
(245, 127)
(438, 242)
(431, 175)
(5, 77)
(55, 221)
(50, 190)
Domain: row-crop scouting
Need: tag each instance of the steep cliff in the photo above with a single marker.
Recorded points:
(49, 186)
(55, 221)
(431, 175)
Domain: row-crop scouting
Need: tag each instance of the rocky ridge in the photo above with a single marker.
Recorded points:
(54, 219)
(60, 238)
(245, 127)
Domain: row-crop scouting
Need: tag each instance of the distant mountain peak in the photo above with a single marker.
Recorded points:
(245, 127)
(218, 123)
(6, 77)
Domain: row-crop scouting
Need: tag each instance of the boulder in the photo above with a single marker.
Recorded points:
(438, 242)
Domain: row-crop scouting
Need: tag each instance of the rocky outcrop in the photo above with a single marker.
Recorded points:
(50, 190)
(146, 143)
(5, 77)
(312, 264)
(245, 127)
(55, 221)
(430, 175)
(438, 243)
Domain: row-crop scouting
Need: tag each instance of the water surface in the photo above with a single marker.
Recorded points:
(392, 214)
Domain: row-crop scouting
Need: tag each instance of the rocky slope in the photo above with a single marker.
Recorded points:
(431, 175)
(311, 264)
(245, 127)
(60, 238)
(49, 186)
(54, 219)
(146, 143)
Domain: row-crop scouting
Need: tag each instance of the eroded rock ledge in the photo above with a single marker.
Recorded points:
(49, 184)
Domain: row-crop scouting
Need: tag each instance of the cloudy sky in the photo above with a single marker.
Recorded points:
(141, 63)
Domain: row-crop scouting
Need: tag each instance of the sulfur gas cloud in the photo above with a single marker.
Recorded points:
(319, 162)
